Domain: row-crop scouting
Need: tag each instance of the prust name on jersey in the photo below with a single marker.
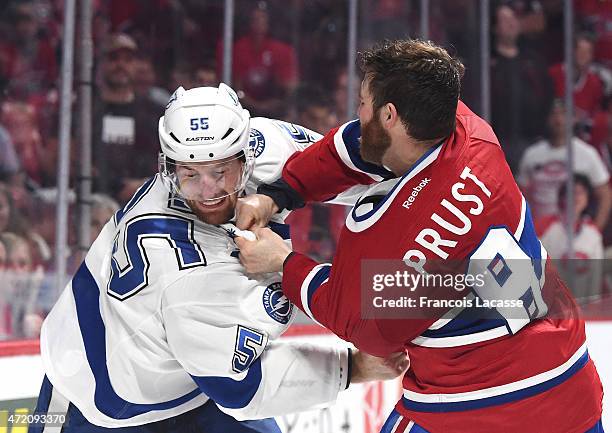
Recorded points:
(425, 302)
(467, 199)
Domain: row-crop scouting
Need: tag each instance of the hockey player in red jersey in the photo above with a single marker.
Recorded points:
(440, 190)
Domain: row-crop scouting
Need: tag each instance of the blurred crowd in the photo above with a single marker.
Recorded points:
(289, 62)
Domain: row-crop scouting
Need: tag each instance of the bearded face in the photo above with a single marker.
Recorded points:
(374, 140)
(211, 188)
(217, 213)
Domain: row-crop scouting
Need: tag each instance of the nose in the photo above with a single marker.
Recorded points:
(209, 187)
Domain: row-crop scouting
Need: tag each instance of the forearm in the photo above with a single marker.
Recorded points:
(296, 377)
(302, 278)
(331, 166)
(315, 289)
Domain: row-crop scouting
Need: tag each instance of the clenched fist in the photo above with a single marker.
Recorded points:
(254, 210)
(265, 254)
(368, 367)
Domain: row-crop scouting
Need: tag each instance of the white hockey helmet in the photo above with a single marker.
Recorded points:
(204, 128)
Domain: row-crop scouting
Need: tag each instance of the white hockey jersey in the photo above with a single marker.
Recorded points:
(161, 316)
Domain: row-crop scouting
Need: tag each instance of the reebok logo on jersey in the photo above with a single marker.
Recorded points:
(415, 192)
(276, 303)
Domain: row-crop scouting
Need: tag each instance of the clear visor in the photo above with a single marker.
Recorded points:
(205, 181)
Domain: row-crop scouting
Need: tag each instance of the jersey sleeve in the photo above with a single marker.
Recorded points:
(313, 287)
(332, 166)
(273, 142)
(233, 361)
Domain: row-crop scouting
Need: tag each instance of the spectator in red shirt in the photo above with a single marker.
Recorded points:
(596, 16)
(601, 133)
(27, 58)
(20, 121)
(265, 69)
(588, 86)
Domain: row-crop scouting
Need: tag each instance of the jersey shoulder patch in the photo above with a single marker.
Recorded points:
(276, 304)
(257, 141)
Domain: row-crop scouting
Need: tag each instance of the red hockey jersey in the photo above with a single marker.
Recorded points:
(530, 373)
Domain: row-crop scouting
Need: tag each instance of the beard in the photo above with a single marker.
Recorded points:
(118, 77)
(219, 215)
(374, 141)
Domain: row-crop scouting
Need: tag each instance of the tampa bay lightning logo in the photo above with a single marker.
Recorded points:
(276, 304)
(257, 142)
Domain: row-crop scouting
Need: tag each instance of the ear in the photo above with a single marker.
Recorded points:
(388, 115)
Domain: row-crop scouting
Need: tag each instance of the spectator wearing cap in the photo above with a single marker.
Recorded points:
(124, 140)
(265, 69)
(543, 170)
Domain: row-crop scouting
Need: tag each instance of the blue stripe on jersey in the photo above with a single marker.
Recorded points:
(321, 275)
(530, 244)
(178, 204)
(350, 137)
(597, 428)
(377, 206)
(509, 397)
(469, 321)
(86, 296)
(283, 230)
(140, 193)
(389, 425)
(230, 393)
(417, 429)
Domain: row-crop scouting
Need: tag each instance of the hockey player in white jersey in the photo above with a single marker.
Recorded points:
(161, 329)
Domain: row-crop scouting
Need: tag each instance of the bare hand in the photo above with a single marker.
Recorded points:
(254, 210)
(367, 368)
(266, 254)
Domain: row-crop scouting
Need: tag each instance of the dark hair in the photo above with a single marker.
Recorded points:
(420, 79)
(580, 179)
(584, 36)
